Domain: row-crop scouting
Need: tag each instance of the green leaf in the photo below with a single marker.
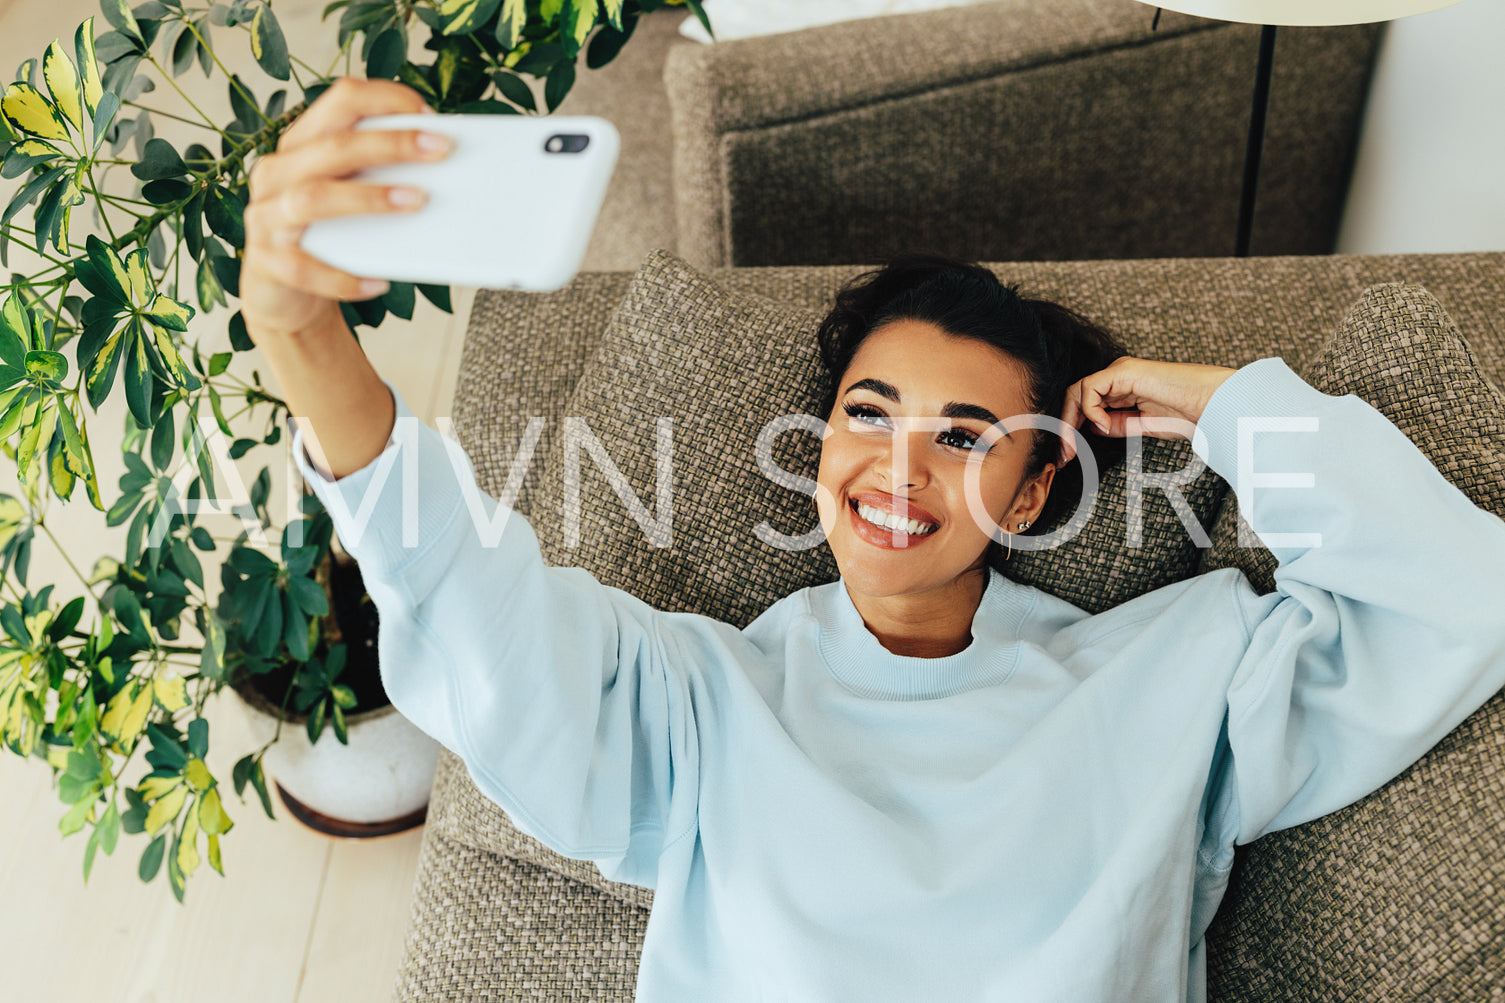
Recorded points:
(613, 10)
(118, 13)
(184, 49)
(268, 45)
(579, 19)
(295, 629)
(608, 43)
(76, 453)
(699, 13)
(138, 277)
(226, 214)
(307, 594)
(27, 110)
(461, 17)
(88, 71)
(437, 295)
(62, 80)
(191, 224)
(138, 378)
(163, 442)
(67, 619)
(509, 28)
(219, 362)
(108, 269)
(47, 365)
(159, 160)
(515, 90)
(169, 313)
(387, 55)
(25, 155)
(30, 192)
(316, 721)
(399, 299)
(15, 333)
(561, 78)
(100, 373)
(104, 116)
(166, 191)
(151, 860)
(240, 338)
(36, 440)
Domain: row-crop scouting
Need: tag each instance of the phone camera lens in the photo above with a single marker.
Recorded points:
(566, 143)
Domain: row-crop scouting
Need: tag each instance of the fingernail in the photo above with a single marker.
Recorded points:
(434, 143)
(406, 198)
(427, 110)
(374, 287)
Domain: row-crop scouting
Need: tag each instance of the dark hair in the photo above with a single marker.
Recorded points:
(1055, 346)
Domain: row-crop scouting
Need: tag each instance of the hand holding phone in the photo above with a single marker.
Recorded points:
(512, 207)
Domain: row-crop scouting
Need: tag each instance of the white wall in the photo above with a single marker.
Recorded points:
(1430, 174)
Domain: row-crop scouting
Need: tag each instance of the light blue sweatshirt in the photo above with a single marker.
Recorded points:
(1049, 814)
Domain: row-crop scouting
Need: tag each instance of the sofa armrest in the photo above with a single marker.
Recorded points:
(1017, 130)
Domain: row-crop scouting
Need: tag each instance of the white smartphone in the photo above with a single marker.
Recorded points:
(512, 207)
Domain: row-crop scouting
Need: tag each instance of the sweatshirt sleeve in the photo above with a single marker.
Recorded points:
(565, 698)
(1385, 631)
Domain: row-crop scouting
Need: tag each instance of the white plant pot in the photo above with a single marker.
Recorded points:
(377, 785)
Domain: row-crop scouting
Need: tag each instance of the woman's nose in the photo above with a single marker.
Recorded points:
(905, 460)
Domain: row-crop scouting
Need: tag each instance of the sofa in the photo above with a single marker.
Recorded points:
(1394, 897)
(1006, 131)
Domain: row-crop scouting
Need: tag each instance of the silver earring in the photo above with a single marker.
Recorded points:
(1022, 527)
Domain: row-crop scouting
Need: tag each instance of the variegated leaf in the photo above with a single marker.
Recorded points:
(88, 65)
(139, 279)
(461, 17)
(109, 267)
(28, 110)
(613, 10)
(582, 19)
(62, 81)
(169, 312)
(509, 30)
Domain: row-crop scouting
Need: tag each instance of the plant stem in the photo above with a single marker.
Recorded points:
(58, 544)
(169, 78)
(238, 86)
(168, 114)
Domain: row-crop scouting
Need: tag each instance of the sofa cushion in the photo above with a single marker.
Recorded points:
(1410, 865)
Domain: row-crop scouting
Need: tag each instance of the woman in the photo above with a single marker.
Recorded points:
(922, 781)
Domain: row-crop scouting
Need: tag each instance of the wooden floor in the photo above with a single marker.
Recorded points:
(298, 917)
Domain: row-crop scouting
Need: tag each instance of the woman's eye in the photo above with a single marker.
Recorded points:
(960, 438)
(866, 413)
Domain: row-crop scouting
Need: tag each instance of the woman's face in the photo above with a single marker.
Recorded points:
(874, 463)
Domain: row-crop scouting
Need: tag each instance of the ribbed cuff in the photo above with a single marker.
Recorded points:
(396, 507)
(1267, 388)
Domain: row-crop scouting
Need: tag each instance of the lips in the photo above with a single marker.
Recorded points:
(901, 507)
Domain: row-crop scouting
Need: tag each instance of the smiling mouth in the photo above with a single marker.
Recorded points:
(891, 522)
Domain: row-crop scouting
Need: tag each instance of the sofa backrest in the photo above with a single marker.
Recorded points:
(1016, 130)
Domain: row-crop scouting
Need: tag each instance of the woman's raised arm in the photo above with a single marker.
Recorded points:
(290, 300)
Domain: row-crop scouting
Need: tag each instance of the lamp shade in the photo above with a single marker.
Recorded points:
(1303, 12)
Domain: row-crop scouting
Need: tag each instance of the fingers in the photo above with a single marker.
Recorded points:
(297, 269)
(341, 155)
(346, 102)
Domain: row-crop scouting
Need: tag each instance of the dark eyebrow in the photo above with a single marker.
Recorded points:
(975, 412)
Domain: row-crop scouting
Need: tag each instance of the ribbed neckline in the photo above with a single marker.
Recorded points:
(863, 665)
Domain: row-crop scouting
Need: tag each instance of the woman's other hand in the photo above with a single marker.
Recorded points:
(283, 289)
(1141, 388)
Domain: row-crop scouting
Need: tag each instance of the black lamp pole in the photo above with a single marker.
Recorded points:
(1256, 140)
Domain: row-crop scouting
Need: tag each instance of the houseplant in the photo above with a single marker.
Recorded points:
(86, 684)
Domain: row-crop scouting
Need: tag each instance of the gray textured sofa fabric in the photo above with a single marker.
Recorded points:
(1394, 897)
(1023, 129)
(1018, 130)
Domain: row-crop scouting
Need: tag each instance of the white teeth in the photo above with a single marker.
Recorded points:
(892, 522)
